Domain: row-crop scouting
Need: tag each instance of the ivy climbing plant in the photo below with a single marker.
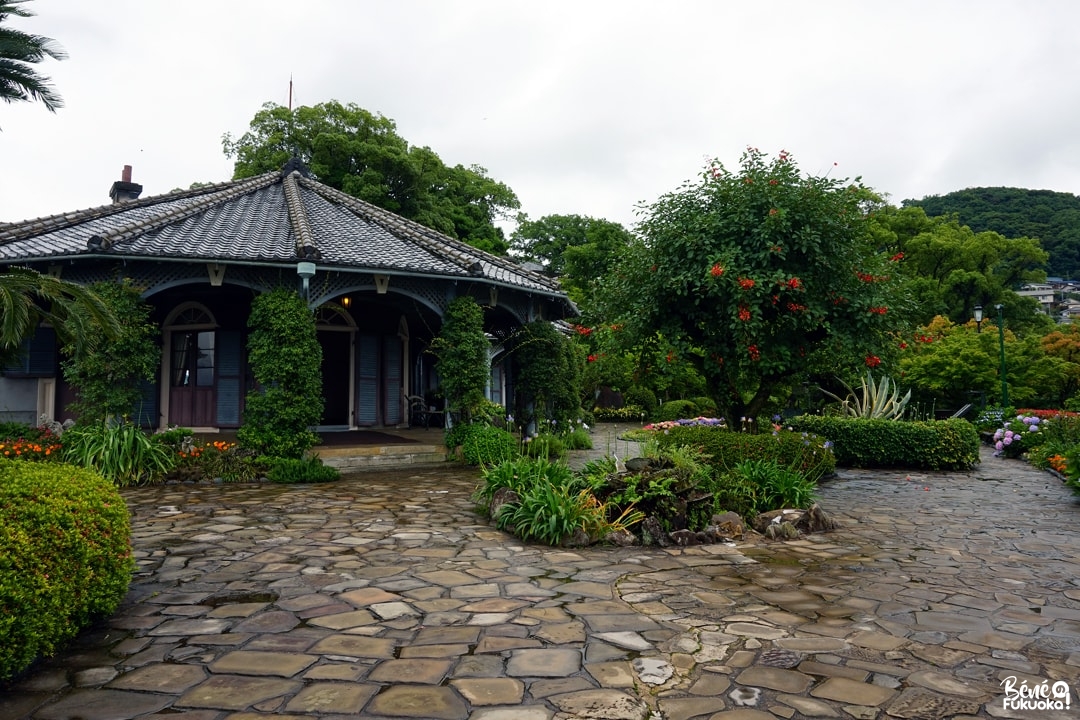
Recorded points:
(286, 360)
(549, 375)
(461, 352)
(107, 368)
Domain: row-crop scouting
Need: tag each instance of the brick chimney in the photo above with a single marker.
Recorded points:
(124, 190)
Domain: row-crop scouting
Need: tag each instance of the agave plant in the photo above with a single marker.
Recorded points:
(876, 401)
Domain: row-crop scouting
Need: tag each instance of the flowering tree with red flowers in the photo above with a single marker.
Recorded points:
(763, 277)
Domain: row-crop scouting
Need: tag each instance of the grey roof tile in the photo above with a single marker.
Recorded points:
(268, 218)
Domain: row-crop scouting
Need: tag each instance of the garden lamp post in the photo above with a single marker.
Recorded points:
(978, 318)
(1001, 342)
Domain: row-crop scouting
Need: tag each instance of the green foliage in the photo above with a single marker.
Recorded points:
(28, 298)
(119, 450)
(462, 361)
(804, 452)
(946, 362)
(627, 413)
(926, 444)
(19, 53)
(875, 401)
(551, 515)
(758, 276)
(1052, 217)
(545, 445)
(642, 397)
(298, 470)
(950, 268)
(361, 154)
(578, 439)
(20, 431)
(65, 558)
(521, 473)
(578, 250)
(107, 370)
(548, 380)
(483, 444)
(678, 409)
(776, 486)
(286, 360)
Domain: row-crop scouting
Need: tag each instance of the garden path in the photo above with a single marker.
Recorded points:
(385, 596)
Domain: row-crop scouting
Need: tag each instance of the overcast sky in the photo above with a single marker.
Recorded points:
(587, 106)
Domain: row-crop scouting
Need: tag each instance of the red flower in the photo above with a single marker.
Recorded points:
(772, 182)
(744, 313)
(591, 358)
(616, 327)
(872, 361)
(903, 346)
(880, 310)
(746, 283)
(794, 283)
(717, 270)
(755, 354)
(795, 307)
(582, 330)
(670, 356)
(774, 212)
(897, 257)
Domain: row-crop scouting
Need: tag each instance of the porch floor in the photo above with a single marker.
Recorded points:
(350, 450)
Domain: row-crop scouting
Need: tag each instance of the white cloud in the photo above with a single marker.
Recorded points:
(583, 107)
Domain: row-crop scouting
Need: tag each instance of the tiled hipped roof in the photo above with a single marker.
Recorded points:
(275, 218)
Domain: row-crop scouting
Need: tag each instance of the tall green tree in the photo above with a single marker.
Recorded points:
(577, 249)
(20, 52)
(28, 298)
(952, 268)
(361, 153)
(759, 276)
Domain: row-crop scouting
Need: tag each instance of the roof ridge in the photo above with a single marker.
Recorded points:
(236, 188)
(52, 223)
(298, 217)
(458, 252)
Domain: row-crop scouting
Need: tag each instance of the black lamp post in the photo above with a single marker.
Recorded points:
(978, 318)
(1001, 341)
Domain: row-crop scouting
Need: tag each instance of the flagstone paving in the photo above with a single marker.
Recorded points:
(385, 596)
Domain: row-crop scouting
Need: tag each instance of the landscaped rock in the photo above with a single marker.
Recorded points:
(781, 531)
(729, 524)
(502, 496)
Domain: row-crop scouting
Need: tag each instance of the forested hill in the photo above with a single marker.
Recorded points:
(1052, 217)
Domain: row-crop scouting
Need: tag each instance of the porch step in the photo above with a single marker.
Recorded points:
(381, 456)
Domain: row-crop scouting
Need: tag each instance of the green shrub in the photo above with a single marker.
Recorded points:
(551, 514)
(579, 439)
(120, 451)
(803, 452)
(775, 486)
(677, 409)
(65, 557)
(627, 413)
(521, 474)
(643, 397)
(545, 446)
(924, 444)
(20, 431)
(298, 470)
(482, 444)
(705, 406)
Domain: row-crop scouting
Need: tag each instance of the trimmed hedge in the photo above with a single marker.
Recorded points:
(924, 444)
(675, 409)
(482, 444)
(65, 557)
(727, 448)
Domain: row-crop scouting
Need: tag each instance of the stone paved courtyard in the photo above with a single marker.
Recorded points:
(385, 596)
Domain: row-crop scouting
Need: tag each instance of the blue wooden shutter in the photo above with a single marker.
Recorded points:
(230, 380)
(392, 379)
(367, 379)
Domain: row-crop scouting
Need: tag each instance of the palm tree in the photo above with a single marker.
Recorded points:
(28, 298)
(19, 52)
